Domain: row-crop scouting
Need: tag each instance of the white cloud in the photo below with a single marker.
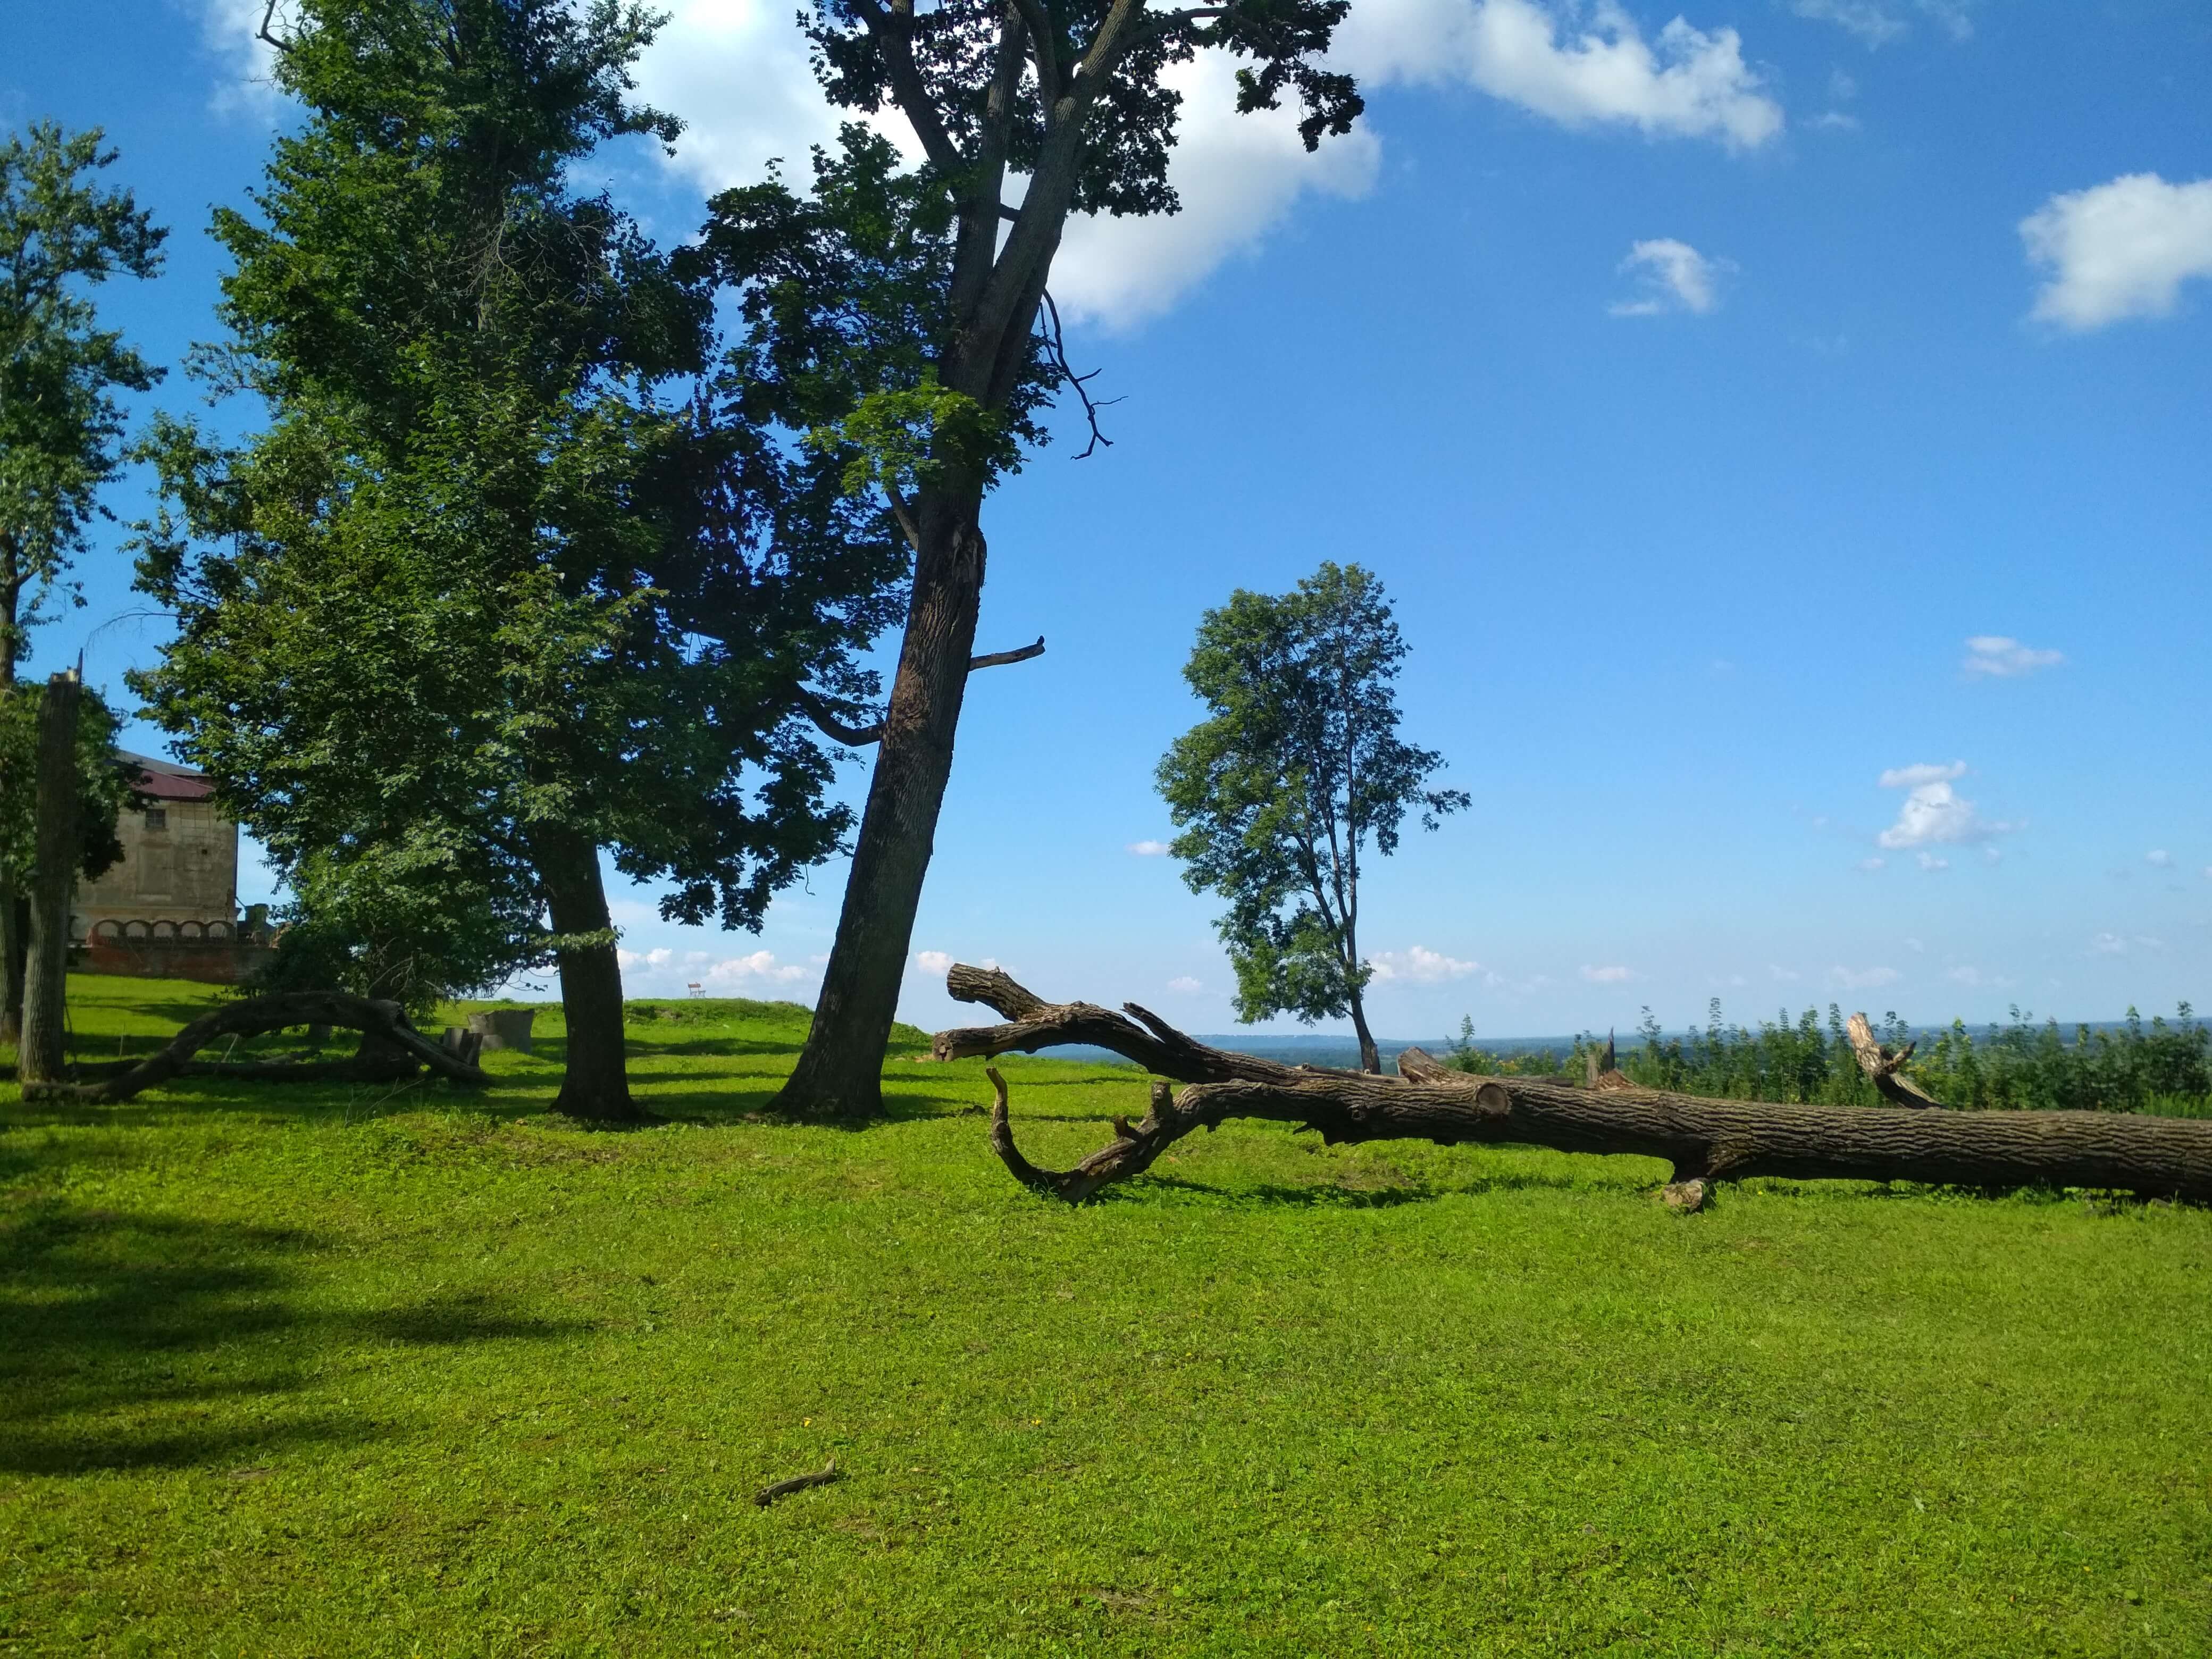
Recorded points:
(1912, 777)
(1877, 24)
(1934, 813)
(2207, 872)
(1238, 176)
(1684, 83)
(1421, 966)
(2001, 658)
(737, 71)
(1929, 861)
(1784, 975)
(657, 958)
(1965, 976)
(934, 962)
(1871, 864)
(1872, 23)
(1613, 974)
(2159, 858)
(2116, 944)
(761, 964)
(1834, 120)
(1185, 984)
(1149, 849)
(1674, 276)
(1862, 979)
(230, 30)
(2119, 250)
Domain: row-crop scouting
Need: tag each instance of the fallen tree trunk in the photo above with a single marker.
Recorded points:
(1706, 1141)
(383, 1025)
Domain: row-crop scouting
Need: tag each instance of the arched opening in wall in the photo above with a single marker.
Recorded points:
(135, 929)
(164, 930)
(107, 931)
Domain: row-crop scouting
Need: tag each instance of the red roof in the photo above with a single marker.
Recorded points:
(161, 780)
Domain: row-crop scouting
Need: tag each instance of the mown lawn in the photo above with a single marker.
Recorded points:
(352, 1371)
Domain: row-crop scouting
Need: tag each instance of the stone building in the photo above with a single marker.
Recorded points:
(170, 906)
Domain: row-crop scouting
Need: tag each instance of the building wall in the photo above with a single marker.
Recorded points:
(179, 864)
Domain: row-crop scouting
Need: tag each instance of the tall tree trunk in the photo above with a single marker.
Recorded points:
(1371, 1057)
(15, 913)
(595, 1084)
(14, 948)
(41, 1055)
(839, 1072)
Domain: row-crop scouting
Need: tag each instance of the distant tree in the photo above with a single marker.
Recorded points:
(1297, 768)
(500, 587)
(1024, 111)
(61, 422)
(104, 783)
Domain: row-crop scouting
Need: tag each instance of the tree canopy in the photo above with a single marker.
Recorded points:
(61, 420)
(509, 578)
(1297, 769)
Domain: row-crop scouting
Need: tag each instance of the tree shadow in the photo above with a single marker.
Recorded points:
(1269, 1195)
(141, 1341)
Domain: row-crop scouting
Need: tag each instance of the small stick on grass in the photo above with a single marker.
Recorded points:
(767, 1495)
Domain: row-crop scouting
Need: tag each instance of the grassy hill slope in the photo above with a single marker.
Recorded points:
(367, 1371)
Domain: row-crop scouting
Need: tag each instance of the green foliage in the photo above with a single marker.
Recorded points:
(501, 573)
(1131, 123)
(104, 782)
(61, 424)
(295, 1371)
(846, 296)
(1298, 768)
(2018, 1066)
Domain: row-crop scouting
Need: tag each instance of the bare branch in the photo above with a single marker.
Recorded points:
(1000, 659)
(268, 17)
(825, 717)
(1055, 346)
(1886, 1066)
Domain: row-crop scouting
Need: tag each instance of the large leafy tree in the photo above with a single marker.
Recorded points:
(1295, 771)
(930, 363)
(507, 582)
(61, 416)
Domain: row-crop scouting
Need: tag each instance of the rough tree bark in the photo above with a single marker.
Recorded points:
(595, 1081)
(41, 1055)
(838, 1074)
(1706, 1141)
(382, 1021)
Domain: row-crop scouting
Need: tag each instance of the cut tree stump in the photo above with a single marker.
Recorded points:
(388, 1042)
(1706, 1141)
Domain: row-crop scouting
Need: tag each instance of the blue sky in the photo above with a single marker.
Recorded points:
(1783, 431)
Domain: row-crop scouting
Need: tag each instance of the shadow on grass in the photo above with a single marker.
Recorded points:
(1274, 1195)
(137, 1342)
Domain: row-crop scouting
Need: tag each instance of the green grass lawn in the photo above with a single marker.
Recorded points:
(353, 1370)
